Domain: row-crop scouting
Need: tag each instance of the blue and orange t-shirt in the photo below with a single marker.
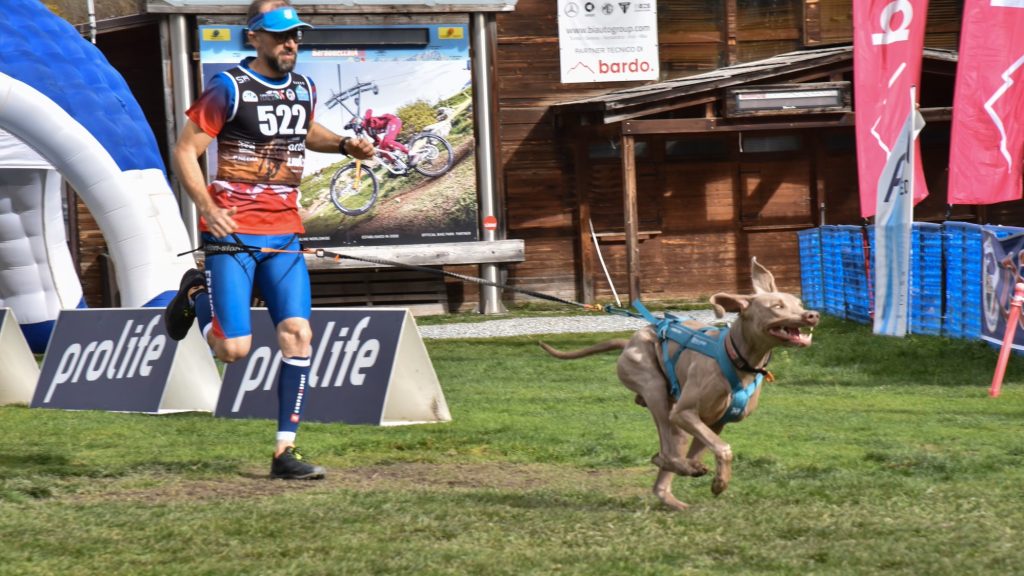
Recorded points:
(260, 125)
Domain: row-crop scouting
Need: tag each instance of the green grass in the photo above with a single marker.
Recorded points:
(868, 455)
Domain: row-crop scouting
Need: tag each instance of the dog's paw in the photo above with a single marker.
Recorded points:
(718, 485)
(672, 502)
(698, 469)
(683, 468)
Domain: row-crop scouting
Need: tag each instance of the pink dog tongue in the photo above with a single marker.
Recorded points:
(792, 335)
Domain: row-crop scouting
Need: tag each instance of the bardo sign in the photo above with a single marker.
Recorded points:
(369, 366)
(606, 42)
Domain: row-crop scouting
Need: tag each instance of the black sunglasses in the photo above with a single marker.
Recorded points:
(281, 37)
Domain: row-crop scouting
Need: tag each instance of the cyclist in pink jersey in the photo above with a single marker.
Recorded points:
(261, 114)
(388, 124)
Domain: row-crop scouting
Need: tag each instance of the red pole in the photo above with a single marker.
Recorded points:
(1011, 327)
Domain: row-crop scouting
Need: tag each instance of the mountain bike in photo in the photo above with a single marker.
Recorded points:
(355, 186)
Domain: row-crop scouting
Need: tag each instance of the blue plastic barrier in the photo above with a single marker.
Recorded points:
(857, 287)
(945, 274)
(812, 284)
(926, 278)
(924, 298)
(962, 266)
(832, 273)
(845, 280)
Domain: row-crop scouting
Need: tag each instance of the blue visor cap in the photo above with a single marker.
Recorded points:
(279, 20)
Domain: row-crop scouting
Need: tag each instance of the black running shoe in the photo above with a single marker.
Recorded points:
(181, 312)
(290, 466)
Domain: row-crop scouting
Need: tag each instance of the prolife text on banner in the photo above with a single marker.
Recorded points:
(369, 366)
(121, 360)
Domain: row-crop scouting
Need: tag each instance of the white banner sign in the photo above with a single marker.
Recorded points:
(608, 41)
(893, 229)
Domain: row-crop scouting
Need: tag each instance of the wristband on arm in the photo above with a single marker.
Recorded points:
(341, 145)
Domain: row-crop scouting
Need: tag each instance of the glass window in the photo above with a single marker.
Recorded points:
(611, 149)
(698, 148)
(753, 144)
(840, 142)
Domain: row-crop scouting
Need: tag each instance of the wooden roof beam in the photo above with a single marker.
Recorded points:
(706, 125)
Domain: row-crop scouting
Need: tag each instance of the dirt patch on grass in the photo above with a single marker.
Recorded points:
(494, 476)
(391, 477)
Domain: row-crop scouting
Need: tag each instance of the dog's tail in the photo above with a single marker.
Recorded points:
(617, 344)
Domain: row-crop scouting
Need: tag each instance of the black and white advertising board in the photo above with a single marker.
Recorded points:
(19, 371)
(121, 359)
(369, 366)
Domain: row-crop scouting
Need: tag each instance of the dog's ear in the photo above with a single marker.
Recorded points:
(723, 303)
(763, 280)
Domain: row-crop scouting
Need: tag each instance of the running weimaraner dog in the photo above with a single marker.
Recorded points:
(707, 398)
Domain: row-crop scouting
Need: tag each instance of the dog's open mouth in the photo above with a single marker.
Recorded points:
(793, 335)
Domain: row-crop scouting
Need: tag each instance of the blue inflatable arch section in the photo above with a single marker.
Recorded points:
(60, 98)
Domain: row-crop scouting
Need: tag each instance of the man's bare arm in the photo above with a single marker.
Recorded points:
(321, 139)
(192, 143)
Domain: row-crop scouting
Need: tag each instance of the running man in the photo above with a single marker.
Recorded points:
(261, 114)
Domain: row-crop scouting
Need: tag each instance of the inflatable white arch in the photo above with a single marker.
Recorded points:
(135, 209)
(37, 277)
(66, 113)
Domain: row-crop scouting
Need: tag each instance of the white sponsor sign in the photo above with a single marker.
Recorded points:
(893, 226)
(608, 41)
(20, 371)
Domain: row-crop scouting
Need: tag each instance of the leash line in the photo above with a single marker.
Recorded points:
(321, 253)
(238, 246)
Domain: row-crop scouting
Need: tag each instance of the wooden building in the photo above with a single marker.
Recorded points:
(711, 185)
(710, 190)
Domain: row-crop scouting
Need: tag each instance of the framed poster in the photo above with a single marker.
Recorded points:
(420, 189)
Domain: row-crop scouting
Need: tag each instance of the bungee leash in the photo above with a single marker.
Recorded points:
(238, 247)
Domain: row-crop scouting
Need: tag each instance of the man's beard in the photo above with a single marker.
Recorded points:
(279, 64)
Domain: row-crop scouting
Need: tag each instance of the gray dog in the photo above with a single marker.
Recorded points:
(695, 379)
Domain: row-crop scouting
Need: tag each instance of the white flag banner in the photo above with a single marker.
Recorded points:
(894, 219)
(608, 41)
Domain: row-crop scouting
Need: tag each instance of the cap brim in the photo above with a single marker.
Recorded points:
(291, 26)
(279, 20)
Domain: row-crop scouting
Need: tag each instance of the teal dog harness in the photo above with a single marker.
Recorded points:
(671, 328)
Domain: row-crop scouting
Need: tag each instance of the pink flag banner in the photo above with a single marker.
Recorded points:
(888, 41)
(988, 105)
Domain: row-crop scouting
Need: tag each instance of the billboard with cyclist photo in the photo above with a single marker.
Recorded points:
(415, 104)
